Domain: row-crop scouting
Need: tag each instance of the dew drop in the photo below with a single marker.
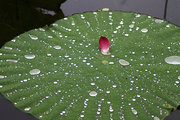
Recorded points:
(8, 48)
(1, 76)
(178, 77)
(57, 47)
(1, 86)
(93, 93)
(144, 30)
(123, 62)
(34, 71)
(175, 60)
(81, 116)
(27, 109)
(29, 56)
(92, 84)
(11, 61)
(33, 37)
(159, 21)
(177, 82)
(156, 118)
(111, 63)
(0, 54)
(134, 111)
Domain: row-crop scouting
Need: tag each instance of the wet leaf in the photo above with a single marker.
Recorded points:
(58, 72)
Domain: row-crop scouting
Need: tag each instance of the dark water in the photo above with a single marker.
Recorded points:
(155, 8)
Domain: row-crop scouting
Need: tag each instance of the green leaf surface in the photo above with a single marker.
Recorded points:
(59, 73)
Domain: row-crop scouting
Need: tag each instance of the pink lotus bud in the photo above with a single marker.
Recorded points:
(104, 45)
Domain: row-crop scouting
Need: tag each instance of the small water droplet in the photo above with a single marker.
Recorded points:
(57, 47)
(175, 60)
(81, 116)
(33, 37)
(8, 48)
(11, 61)
(133, 111)
(123, 62)
(34, 71)
(1, 76)
(92, 84)
(29, 56)
(144, 30)
(107, 92)
(177, 82)
(131, 26)
(159, 21)
(49, 54)
(0, 54)
(111, 63)
(178, 77)
(27, 109)
(1, 86)
(93, 93)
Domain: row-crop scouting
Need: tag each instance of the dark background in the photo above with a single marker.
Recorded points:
(16, 18)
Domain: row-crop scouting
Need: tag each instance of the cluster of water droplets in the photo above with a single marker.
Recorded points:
(65, 71)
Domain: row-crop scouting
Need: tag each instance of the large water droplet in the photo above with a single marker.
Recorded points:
(33, 37)
(123, 62)
(29, 56)
(11, 61)
(27, 109)
(144, 30)
(57, 47)
(34, 71)
(93, 93)
(134, 111)
(175, 60)
(156, 118)
(1, 76)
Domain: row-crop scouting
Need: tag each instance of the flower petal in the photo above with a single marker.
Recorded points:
(104, 45)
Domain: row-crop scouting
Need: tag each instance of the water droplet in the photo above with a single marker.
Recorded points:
(57, 47)
(114, 86)
(33, 37)
(11, 61)
(29, 56)
(144, 30)
(178, 77)
(93, 93)
(0, 54)
(66, 73)
(156, 118)
(34, 71)
(1, 86)
(131, 26)
(8, 48)
(107, 92)
(1, 76)
(123, 62)
(177, 82)
(81, 116)
(92, 84)
(175, 60)
(133, 111)
(159, 21)
(27, 109)
(49, 54)
(111, 63)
